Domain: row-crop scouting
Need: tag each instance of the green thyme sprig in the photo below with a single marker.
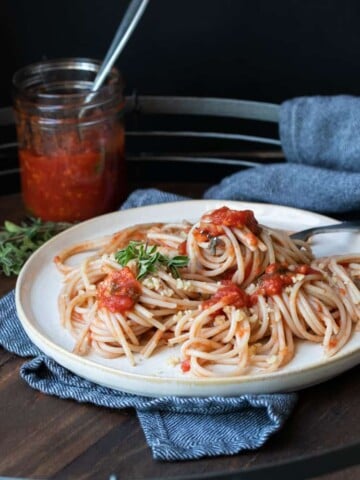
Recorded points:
(148, 259)
(18, 242)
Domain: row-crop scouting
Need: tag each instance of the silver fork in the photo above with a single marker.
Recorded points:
(337, 227)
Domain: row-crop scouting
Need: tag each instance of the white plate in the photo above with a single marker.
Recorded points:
(39, 283)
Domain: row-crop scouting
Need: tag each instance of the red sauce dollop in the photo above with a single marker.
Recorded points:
(229, 294)
(232, 218)
(182, 248)
(119, 291)
(185, 366)
(277, 277)
(273, 283)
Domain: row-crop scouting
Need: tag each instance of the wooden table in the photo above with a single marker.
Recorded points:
(45, 437)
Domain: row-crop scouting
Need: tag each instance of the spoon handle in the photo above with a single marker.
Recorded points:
(131, 18)
(337, 227)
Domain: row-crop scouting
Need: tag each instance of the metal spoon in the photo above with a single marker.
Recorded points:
(337, 227)
(131, 18)
(127, 25)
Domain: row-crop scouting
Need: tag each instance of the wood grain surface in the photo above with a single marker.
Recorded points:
(46, 437)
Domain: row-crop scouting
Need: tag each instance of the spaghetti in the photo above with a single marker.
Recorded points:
(232, 294)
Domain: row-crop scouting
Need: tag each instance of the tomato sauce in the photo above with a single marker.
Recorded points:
(273, 283)
(277, 277)
(204, 235)
(182, 248)
(229, 294)
(230, 218)
(305, 270)
(211, 224)
(119, 291)
(74, 178)
(185, 366)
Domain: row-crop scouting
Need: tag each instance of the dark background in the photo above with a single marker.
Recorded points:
(252, 49)
(244, 49)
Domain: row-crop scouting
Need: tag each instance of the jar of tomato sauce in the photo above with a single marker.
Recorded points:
(71, 140)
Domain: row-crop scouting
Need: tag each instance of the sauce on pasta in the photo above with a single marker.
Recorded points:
(234, 296)
(119, 291)
(228, 294)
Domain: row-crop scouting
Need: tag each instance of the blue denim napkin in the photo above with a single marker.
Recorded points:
(321, 142)
(322, 131)
(175, 428)
(301, 186)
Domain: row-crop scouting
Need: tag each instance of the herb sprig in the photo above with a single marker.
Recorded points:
(148, 259)
(18, 242)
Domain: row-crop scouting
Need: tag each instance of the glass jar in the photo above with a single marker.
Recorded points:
(71, 140)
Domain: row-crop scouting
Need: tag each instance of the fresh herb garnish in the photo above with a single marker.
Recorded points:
(148, 259)
(18, 242)
(176, 262)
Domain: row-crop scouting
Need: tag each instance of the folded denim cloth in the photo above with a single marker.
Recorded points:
(301, 186)
(175, 428)
(322, 131)
(321, 142)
